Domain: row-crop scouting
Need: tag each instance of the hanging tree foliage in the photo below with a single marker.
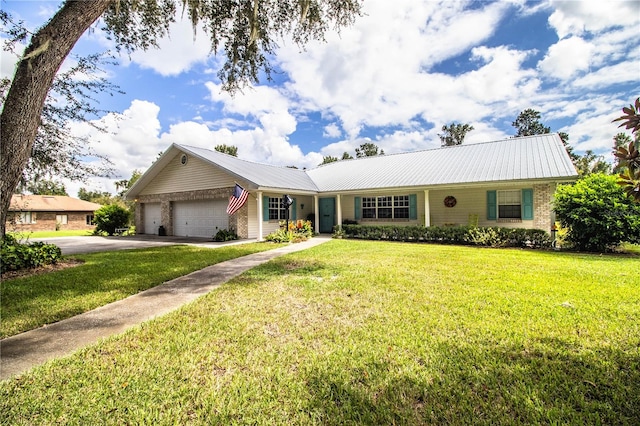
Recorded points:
(629, 156)
(246, 30)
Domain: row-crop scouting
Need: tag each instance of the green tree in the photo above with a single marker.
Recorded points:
(454, 133)
(98, 197)
(620, 140)
(110, 217)
(629, 156)
(328, 159)
(346, 156)
(56, 151)
(590, 163)
(43, 187)
(597, 213)
(123, 185)
(227, 149)
(368, 149)
(245, 30)
(528, 124)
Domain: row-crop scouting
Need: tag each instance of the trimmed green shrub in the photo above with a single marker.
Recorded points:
(108, 218)
(468, 235)
(16, 256)
(597, 213)
(280, 236)
(299, 230)
(225, 235)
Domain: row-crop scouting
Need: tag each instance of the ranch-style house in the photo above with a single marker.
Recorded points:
(507, 183)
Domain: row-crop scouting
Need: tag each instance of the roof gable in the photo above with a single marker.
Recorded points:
(249, 174)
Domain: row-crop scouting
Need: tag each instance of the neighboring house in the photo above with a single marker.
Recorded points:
(50, 213)
(507, 183)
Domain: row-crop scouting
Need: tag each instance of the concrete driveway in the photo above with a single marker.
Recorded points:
(91, 244)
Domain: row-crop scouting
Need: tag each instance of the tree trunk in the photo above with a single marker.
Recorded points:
(21, 112)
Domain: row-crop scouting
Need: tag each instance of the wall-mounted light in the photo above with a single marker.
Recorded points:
(301, 206)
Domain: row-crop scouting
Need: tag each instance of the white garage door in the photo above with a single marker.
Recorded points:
(151, 218)
(199, 218)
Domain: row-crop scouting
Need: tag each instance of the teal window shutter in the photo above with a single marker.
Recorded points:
(492, 205)
(413, 206)
(293, 210)
(265, 208)
(358, 205)
(527, 204)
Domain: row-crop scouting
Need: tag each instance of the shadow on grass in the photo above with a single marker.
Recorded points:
(485, 385)
(286, 267)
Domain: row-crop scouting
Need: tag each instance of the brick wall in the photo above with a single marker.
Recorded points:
(542, 215)
(240, 221)
(46, 221)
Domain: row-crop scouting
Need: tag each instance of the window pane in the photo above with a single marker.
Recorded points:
(368, 202)
(509, 212)
(385, 213)
(508, 197)
(509, 204)
(401, 212)
(274, 208)
(384, 202)
(401, 201)
(368, 207)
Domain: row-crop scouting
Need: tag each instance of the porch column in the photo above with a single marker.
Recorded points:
(339, 208)
(259, 214)
(317, 215)
(427, 209)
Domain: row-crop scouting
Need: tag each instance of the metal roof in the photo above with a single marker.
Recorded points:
(523, 158)
(539, 157)
(261, 175)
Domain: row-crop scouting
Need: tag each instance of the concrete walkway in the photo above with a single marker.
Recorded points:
(32, 348)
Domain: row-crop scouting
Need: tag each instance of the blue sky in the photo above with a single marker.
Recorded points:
(404, 69)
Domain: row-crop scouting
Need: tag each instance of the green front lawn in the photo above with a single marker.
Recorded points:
(358, 332)
(50, 234)
(31, 302)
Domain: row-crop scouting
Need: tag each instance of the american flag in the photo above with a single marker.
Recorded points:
(237, 199)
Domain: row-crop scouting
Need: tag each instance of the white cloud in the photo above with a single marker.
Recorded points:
(176, 53)
(623, 72)
(9, 60)
(378, 72)
(577, 17)
(130, 139)
(567, 57)
(332, 131)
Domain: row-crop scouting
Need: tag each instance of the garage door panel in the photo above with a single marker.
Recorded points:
(199, 218)
(151, 220)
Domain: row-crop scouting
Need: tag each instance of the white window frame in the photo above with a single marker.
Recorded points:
(62, 219)
(509, 197)
(372, 207)
(89, 219)
(26, 218)
(275, 203)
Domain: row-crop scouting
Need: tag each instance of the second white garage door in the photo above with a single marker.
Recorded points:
(199, 218)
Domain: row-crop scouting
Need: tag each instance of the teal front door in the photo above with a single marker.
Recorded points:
(327, 207)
